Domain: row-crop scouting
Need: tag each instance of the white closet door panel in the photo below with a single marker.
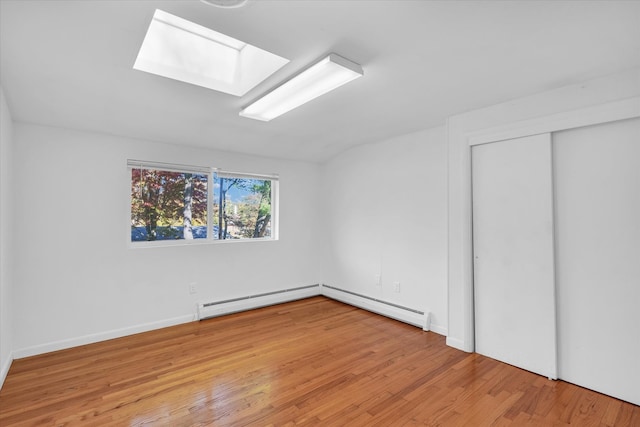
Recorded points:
(597, 171)
(513, 253)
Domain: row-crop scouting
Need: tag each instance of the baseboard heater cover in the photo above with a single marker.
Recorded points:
(219, 308)
(385, 308)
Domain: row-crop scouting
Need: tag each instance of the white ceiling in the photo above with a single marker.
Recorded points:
(69, 64)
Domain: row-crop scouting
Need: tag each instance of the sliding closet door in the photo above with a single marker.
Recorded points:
(513, 253)
(598, 257)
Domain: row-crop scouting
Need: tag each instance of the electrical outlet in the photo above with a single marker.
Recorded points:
(377, 280)
(193, 288)
(396, 287)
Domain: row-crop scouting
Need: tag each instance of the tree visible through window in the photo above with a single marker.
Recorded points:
(174, 202)
(242, 207)
(168, 205)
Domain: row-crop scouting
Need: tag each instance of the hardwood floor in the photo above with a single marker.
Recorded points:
(310, 362)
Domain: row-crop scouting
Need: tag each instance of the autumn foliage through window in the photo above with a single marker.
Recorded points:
(173, 204)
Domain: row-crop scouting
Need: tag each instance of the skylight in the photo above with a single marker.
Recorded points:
(188, 52)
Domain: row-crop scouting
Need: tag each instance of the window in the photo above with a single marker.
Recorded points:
(176, 203)
(182, 50)
(243, 207)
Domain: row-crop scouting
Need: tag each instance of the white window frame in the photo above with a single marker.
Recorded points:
(211, 172)
(274, 178)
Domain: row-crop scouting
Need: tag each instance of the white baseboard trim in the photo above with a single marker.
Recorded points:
(456, 343)
(438, 329)
(220, 308)
(4, 369)
(230, 306)
(101, 336)
(403, 314)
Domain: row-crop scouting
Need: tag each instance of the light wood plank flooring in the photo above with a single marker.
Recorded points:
(314, 362)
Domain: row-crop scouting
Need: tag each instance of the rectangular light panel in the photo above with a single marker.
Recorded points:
(320, 78)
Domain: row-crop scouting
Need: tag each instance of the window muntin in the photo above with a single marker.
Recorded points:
(183, 203)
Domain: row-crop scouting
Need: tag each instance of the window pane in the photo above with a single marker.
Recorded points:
(168, 205)
(242, 208)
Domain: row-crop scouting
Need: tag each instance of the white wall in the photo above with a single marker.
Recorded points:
(76, 278)
(6, 225)
(386, 214)
(538, 112)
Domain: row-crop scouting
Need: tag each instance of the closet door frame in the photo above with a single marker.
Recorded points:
(602, 113)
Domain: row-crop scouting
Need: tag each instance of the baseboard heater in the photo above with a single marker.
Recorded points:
(395, 311)
(385, 308)
(219, 308)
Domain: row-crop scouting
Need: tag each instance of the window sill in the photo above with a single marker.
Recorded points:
(194, 242)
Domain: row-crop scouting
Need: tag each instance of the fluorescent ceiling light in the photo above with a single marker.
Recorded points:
(188, 52)
(320, 78)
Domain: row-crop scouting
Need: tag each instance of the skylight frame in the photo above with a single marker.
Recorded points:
(237, 68)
